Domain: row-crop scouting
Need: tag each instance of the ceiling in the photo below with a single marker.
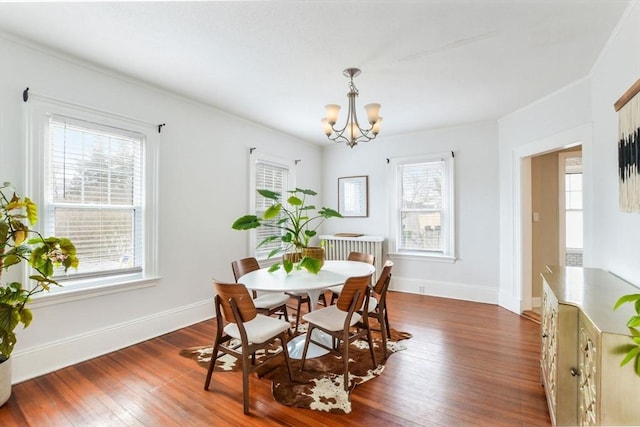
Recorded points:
(430, 63)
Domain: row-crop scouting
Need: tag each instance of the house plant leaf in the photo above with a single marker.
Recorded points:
(246, 222)
(312, 265)
(626, 298)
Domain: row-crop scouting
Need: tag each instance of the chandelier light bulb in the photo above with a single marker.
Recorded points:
(372, 112)
(332, 113)
(326, 126)
(375, 129)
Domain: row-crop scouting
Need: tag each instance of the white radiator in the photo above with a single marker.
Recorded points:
(339, 247)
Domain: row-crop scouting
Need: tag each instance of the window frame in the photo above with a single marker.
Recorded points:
(448, 253)
(39, 111)
(263, 158)
(562, 190)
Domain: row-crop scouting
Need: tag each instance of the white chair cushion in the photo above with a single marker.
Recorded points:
(270, 300)
(330, 318)
(373, 303)
(260, 329)
(298, 294)
(336, 289)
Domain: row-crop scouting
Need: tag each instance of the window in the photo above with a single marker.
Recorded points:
(571, 239)
(422, 217)
(273, 174)
(91, 178)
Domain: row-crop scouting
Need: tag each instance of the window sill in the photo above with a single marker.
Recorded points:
(416, 256)
(84, 290)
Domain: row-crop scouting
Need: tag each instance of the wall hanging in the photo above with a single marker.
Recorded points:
(628, 108)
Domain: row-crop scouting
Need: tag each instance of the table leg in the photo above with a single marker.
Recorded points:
(296, 345)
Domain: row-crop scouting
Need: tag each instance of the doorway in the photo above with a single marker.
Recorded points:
(556, 213)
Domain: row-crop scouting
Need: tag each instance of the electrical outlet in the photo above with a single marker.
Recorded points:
(421, 289)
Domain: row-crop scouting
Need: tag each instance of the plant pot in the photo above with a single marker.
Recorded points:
(314, 252)
(292, 256)
(5, 380)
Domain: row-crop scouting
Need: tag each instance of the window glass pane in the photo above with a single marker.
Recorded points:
(573, 191)
(103, 238)
(573, 229)
(574, 200)
(573, 182)
(421, 231)
(275, 178)
(422, 185)
(96, 192)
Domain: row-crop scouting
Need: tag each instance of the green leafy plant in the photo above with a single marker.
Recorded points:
(632, 350)
(18, 242)
(296, 224)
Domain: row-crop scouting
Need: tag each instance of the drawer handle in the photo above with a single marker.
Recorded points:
(574, 372)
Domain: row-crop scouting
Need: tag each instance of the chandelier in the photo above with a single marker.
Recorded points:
(351, 132)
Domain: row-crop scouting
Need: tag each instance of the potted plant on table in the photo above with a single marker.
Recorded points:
(18, 242)
(296, 225)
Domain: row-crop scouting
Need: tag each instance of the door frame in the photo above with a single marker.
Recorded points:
(522, 211)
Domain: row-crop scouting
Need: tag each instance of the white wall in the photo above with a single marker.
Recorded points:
(474, 276)
(558, 120)
(581, 112)
(203, 187)
(616, 235)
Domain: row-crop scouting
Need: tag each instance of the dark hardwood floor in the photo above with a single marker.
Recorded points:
(468, 364)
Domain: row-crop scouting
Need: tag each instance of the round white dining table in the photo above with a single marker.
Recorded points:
(333, 273)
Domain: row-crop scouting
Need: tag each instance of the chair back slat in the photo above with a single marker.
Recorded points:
(351, 286)
(385, 277)
(243, 266)
(362, 257)
(239, 293)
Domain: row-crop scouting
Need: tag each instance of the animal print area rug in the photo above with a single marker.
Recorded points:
(320, 385)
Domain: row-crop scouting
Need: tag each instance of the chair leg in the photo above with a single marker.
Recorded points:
(345, 359)
(306, 347)
(245, 383)
(322, 299)
(386, 322)
(373, 354)
(298, 313)
(214, 356)
(285, 351)
(334, 297)
(383, 332)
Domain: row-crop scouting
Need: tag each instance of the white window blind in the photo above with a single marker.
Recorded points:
(422, 216)
(95, 194)
(274, 177)
(421, 211)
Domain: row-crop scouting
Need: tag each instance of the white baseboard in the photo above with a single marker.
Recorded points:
(461, 291)
(536, 302)
(40, 360)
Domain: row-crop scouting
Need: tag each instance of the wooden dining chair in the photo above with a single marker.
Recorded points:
(241, 331)
(343, 322)
(267, 303)
(353, 256)
(378, 304)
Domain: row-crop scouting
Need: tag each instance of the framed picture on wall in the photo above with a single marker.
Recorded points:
(353, 196)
